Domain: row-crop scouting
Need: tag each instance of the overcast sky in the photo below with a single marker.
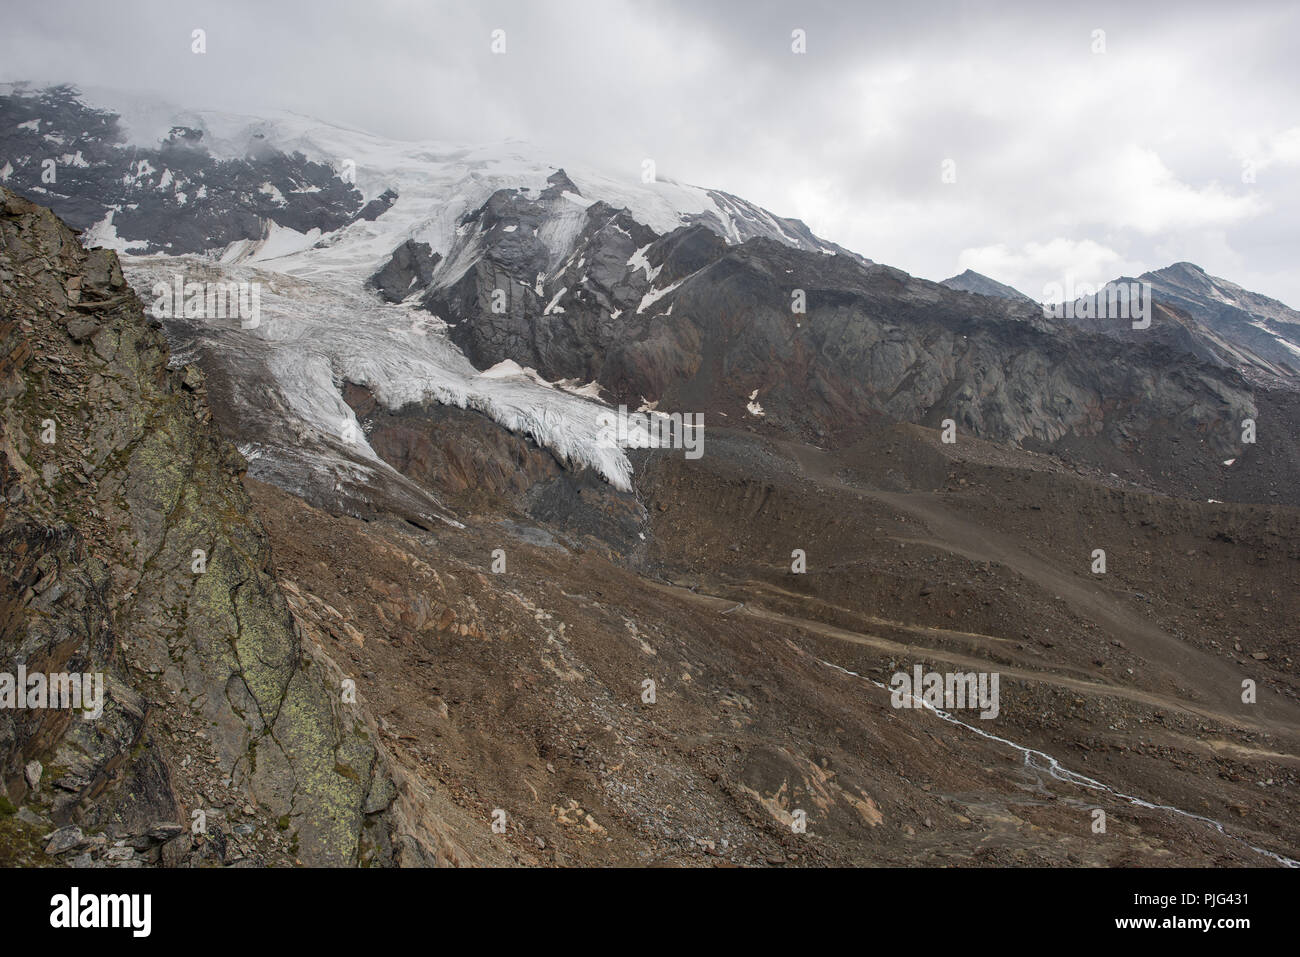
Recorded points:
(1067, 161)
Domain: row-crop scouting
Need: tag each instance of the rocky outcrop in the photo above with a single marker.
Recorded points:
(465, 457)
(175, 197)
(409, 269)
(530, 300)
(378, 206)
(1215, 320)
(130, 551)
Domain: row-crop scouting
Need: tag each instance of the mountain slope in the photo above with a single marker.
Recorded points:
(1212, 319)
(131, 551)
(1244, 321)
(272, 197)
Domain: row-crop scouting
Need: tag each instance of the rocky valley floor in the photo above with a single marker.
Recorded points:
(521, 690)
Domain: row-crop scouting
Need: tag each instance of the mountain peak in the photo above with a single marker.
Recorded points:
(978, 283)
(1183, 268)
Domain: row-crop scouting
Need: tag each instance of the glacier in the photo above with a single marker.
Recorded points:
(321, 326)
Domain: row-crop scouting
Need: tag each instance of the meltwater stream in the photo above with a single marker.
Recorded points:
(1042, 761)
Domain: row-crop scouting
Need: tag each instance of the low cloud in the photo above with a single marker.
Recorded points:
(1135, 150)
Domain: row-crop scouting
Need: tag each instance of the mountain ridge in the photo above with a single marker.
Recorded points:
(648, 295)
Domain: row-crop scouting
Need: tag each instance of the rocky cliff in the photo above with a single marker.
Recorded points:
(130, 551)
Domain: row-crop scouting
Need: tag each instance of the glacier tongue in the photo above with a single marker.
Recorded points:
(316, 333)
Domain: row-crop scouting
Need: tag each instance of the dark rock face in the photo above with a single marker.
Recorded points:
(174, 198)
(543, 305)
(562, 316)
(1218, 322)
(686, 320)
(378, 206)
(410, 268)
(469, 459)
(131, 551)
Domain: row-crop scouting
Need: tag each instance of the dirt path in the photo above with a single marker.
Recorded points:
(1177, 663)
(899, 649)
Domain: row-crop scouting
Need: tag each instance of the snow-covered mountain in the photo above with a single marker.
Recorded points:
(493, 279)
(310, 212)
(158, 156)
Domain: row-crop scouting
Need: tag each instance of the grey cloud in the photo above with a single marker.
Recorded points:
(848, 137)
